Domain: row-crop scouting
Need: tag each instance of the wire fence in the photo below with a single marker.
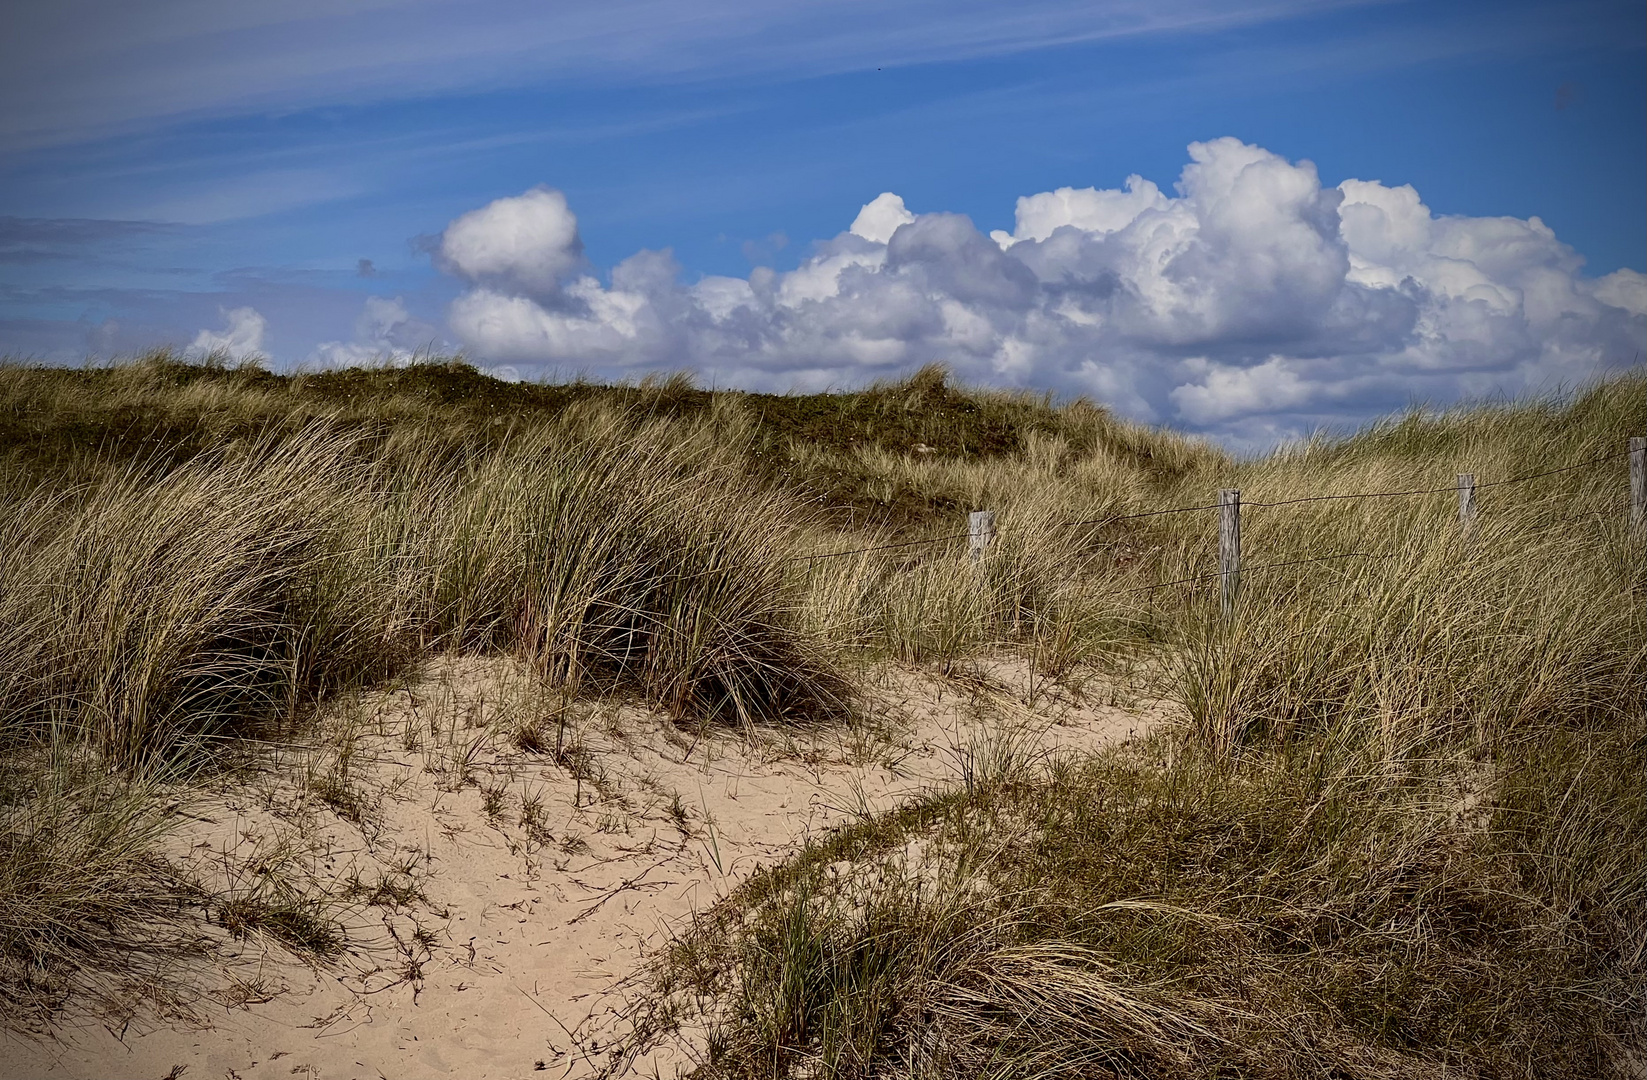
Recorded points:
(1268, 566)
(1465, 485)
(1439, 490)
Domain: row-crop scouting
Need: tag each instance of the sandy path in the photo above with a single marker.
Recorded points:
(502, 898)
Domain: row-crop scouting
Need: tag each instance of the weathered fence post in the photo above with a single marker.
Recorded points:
(1638, 482)
(981, 533)
(1466, 502)
(1229, 545)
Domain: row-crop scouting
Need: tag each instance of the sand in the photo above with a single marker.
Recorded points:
(504, 903)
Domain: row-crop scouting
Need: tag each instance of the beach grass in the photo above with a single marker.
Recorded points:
(1398, 828)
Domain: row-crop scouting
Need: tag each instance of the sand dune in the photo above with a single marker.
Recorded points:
(502, 903)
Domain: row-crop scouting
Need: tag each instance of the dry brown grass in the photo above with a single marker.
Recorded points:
(1401, 832)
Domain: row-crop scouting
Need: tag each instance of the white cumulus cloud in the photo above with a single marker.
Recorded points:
(528, 241)
(241, 336)
(880, 218)
(1251, 302)
(385, 333)
(1625, 289)
(1088, 209)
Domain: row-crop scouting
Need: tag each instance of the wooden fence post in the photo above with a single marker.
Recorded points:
(1466, 502)
(1638, 482)
(981, 533)
(1229, 545)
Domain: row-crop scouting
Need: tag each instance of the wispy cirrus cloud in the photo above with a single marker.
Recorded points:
(79, 69)
(206, 201)
(35, 240)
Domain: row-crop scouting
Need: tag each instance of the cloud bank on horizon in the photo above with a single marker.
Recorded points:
(1253, 303)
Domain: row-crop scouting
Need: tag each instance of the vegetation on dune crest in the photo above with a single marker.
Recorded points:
(1400, 831)
(62, 422)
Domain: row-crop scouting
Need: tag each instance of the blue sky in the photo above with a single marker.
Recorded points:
(166, 171)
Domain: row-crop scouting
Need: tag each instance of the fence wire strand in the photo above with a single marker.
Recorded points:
(879, 547)
(1130, 517)
(1245, 503)
(1435, 490)
(1267, 566)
